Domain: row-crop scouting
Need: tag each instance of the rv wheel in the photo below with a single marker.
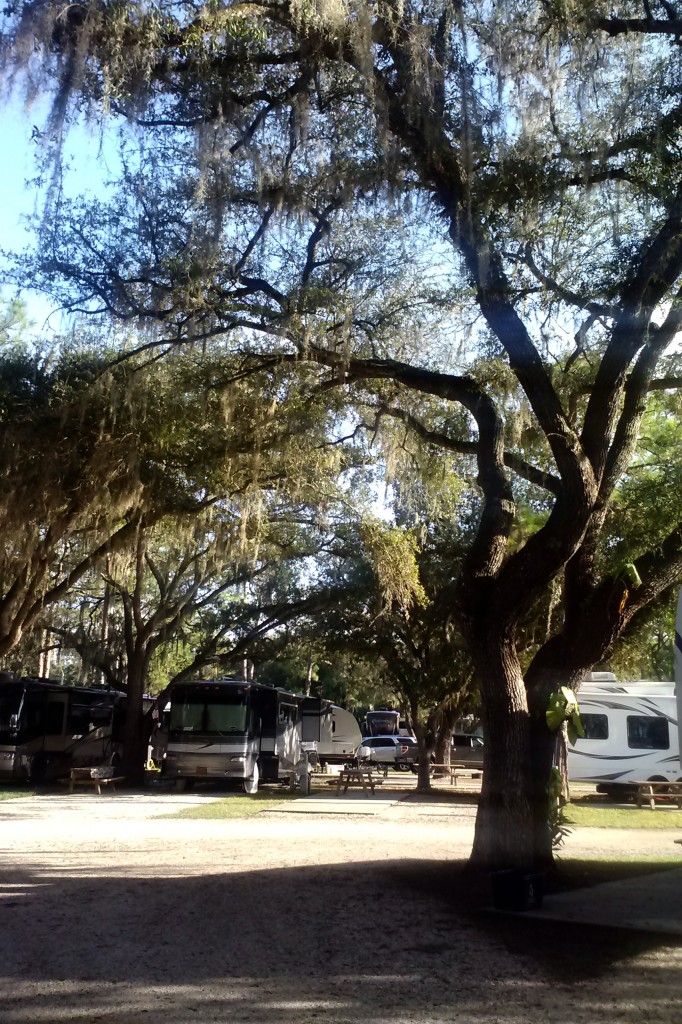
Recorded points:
(251, 784)
(37, 772)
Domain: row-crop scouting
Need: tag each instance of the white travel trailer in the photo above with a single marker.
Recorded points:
(631, 735)
(338, 735)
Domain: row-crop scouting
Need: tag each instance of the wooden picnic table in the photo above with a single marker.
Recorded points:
(458, 771)
(356, 777)
(649, 792)
(84, 777)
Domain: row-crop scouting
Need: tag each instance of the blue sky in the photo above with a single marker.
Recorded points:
(15, 132)
(20, 200)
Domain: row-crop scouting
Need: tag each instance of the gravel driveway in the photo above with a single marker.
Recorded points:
(352, 912)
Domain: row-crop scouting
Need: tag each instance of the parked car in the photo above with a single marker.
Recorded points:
(399, 752)
(467, 749)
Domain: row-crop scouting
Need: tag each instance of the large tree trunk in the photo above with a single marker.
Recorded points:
(135, 735)
(504, 835)
(425, 736)
(446, 727)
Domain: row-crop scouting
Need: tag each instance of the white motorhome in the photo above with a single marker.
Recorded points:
(631, 734)
(231, 729)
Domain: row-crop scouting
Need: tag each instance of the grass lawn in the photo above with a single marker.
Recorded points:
(574, 873)
(622, 817)
(13, 792)
(238, 806)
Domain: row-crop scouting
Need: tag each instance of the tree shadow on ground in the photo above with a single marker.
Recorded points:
(370, 941)
(561, 950)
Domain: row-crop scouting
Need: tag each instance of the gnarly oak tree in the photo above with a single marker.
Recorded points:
(540, 142)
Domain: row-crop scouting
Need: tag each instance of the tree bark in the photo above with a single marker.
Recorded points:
(135, 731)
(504, 835)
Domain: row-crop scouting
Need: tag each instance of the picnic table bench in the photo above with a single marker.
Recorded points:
(84, 777)
(457, 771)
(357, 777)
(649, 792)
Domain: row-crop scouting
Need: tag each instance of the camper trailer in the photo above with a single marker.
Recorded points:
(335, 731)
(231, 729)
(631, 735)
(47, 728)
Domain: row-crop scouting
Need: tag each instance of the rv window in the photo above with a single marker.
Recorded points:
(226, 718)
(214, 716)
(10, 698)
(596, 726)
(646, 732)
(100, 716)
(287, 713)
(78, 721)
(54, 718)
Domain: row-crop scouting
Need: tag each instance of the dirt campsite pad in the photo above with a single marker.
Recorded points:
(114, 912)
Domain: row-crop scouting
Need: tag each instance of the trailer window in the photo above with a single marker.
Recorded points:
(596, 726)
(646, 732)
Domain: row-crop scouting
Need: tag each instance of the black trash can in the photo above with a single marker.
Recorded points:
(518, 890)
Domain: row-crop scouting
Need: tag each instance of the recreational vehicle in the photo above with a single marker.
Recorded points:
(230, 729)
(47, 728)
(385, 722)
(335, 731)
(631, 735)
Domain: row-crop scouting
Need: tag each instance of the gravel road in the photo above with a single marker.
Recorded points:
(350, 911)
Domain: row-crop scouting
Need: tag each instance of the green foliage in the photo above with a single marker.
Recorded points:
(646, 649)
(563, 707)
(558, 821)
(393, 555)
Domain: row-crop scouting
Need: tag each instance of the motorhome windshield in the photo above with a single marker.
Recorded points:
(10, 700)
(382, 723)
(211, 712)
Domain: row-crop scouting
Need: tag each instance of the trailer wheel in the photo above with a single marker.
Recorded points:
(251, 784)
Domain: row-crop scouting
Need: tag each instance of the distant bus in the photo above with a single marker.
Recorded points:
(47, 728)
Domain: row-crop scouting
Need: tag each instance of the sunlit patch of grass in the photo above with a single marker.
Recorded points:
(573, 872)
(238, 806)
(622, 817)
(14, 792)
